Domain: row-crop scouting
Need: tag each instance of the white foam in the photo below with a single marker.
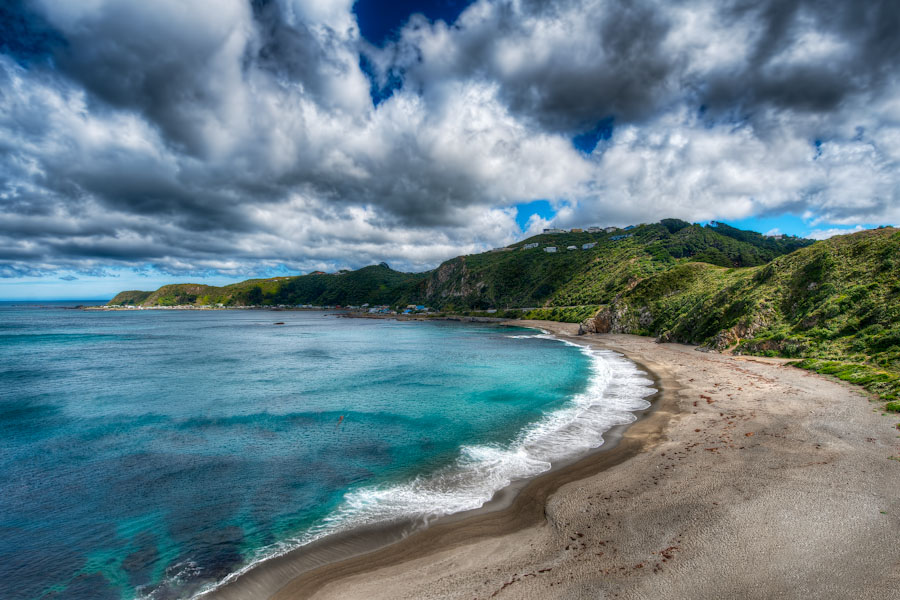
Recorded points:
(616, 388)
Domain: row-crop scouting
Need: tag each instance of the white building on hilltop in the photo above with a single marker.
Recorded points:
(550, 249)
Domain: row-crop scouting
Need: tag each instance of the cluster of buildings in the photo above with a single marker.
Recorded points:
(384, 309)
(588, 230)
(553, 249)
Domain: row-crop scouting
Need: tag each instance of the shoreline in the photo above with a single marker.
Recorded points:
(764, 481)
(514, 507)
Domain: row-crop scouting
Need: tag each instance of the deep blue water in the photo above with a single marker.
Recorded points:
(152, 453)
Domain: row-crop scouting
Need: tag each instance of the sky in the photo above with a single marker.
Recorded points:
(146, 143)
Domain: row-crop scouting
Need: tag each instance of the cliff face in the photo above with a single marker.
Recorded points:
(452, 280)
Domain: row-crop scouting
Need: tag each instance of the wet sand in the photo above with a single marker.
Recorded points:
(748, 479)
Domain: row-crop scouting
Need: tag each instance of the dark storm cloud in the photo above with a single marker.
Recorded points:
(162, 72)
(619, 68)
(625, 64)
(292, 53)
(868, 31)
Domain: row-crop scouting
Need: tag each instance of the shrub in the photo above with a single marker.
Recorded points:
(883, 383)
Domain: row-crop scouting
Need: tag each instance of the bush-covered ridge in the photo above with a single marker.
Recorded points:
(517, 277)
(837, 302)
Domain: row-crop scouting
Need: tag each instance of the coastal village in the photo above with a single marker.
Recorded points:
(554, 249)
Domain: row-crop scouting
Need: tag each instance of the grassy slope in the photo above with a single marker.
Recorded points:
(836, 303)
(177, 294)
(534, 278)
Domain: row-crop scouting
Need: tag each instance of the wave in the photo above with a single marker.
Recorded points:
(616, 389)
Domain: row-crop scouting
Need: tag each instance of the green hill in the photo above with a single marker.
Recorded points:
(585, 277)
(245, 293)
(509, 278)
(834, 303)
(377, 284)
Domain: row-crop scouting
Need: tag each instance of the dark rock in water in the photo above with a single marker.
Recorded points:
(88, 587)
(139, 564)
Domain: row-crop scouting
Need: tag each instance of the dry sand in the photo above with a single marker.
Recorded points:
(751, 479)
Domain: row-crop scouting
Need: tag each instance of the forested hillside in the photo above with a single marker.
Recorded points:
(838, 300)
(512, 277)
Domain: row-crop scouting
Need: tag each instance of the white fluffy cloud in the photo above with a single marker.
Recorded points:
(240, 136)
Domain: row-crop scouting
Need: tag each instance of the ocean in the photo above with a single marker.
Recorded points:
(155, 454)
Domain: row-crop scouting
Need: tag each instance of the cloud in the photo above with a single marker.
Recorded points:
(824, 234)
(172, 137)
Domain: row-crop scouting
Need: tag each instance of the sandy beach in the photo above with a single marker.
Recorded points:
(748, 479)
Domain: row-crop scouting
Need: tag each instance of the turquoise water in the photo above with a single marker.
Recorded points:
(154, 453)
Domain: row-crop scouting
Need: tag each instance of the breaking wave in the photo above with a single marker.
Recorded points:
(616, 389)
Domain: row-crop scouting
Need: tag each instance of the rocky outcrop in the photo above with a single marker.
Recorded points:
(452, 280)
(746, 329)
(610, 319)
(618, 317)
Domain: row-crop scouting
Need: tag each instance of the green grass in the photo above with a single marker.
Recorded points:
(886, 385)
(565, 314)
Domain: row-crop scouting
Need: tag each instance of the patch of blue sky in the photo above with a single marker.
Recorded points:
(790, 224)
(587, 141)
(541, 208)
(787, 224)
(77, 286)
(380, 21)
(25, 35)
(379, 89)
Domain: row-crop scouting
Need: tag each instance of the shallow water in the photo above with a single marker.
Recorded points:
(154, 453)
